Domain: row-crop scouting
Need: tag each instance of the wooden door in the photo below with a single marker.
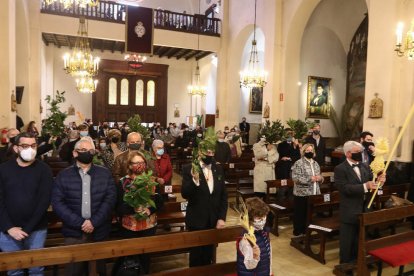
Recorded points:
(123, 92)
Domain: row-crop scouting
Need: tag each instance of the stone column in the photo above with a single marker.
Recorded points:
(8, 62)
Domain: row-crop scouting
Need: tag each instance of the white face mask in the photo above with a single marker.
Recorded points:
(28, 154)
(83, 133)
(262, 139)
(166, 132)
(221, 140)
(102, 145)
(259, 224)
(199, 135)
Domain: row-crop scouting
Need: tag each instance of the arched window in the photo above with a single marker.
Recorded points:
(124, 92)
(151, 93)
(112, 91)
(139, 92)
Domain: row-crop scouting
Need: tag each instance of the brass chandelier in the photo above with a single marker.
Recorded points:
(81, 64)
(253, 76)
(86, 84)
(68, 3)
(196, 88)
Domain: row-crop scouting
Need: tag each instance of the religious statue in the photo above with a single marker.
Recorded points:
(266, 112)
(13, 102)
(71, 110)
(176, 113)
(376, 107)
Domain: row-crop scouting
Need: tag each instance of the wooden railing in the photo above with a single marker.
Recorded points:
(114, 12)
(116, 248)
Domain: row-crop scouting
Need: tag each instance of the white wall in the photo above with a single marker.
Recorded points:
(180, 74)
(324, 48)
(245, 92)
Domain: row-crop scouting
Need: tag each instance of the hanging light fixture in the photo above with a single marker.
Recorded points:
(405, 45)
(253, 76)
(81, 63)
(68, 3)
(135, 61)
(86, 84)
(196, 88)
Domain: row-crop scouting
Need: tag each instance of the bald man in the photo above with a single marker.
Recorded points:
(134, 142)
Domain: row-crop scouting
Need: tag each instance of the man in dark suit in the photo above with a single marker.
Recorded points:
(369, 147)
(244, 128)
(207, 200)
(319, 143)
(353, 180)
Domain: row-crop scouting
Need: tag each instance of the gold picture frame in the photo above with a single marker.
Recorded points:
(318, 97)
(256, 100)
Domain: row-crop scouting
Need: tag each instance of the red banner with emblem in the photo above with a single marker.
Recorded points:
(139, 30)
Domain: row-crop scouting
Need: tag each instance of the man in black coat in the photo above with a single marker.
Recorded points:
(223, 152)
(319, 143)
(207, 202)
(244, 128)
(353, 180)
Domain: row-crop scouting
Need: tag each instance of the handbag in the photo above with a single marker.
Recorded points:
(130, 266)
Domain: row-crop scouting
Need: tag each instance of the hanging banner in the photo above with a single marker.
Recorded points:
(139, 30)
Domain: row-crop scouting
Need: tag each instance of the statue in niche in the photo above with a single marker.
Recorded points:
(266, 111)
(376, 107)
(71, 110)
(13, 102)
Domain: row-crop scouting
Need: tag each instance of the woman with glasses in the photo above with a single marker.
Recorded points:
(114, 147)
(131, 226)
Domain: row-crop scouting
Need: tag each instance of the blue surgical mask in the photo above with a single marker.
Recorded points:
(160, 152)
(83, 133)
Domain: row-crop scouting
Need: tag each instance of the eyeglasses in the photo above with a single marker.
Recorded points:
(91, 151)
(137, 163)
(26, 146)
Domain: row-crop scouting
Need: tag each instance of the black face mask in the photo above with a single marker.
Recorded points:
(134, 146)
(84, 157)
(207, 160)
(316, 132)
(367, 144)
(115, 140)
(357, 156)
(309, 155)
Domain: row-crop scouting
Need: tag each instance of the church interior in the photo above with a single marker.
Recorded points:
(345, 65)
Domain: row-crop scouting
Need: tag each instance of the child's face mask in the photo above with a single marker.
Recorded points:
(259, 223)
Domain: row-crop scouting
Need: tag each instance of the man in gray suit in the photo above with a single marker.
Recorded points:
(353, 180)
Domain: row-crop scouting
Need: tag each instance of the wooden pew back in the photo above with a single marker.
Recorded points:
(117, 248)
(378, 217)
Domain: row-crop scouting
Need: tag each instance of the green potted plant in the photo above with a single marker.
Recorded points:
(273, 131)
(54, 124)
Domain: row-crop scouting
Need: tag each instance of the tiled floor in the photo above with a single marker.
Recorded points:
(286, 260)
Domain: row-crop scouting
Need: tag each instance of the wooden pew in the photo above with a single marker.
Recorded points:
(173, 213)
(56, 164)
(282, 206)
(214, 269)
(383, 247)
(324, 227)
(117, 248)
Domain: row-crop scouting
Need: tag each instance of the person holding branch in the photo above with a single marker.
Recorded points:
(353, 180)
(203, 187)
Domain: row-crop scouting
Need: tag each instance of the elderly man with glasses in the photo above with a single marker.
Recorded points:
(83, 197)
(25, 188)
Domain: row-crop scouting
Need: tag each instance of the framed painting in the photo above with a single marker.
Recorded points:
(319, 97)
(256, 100)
